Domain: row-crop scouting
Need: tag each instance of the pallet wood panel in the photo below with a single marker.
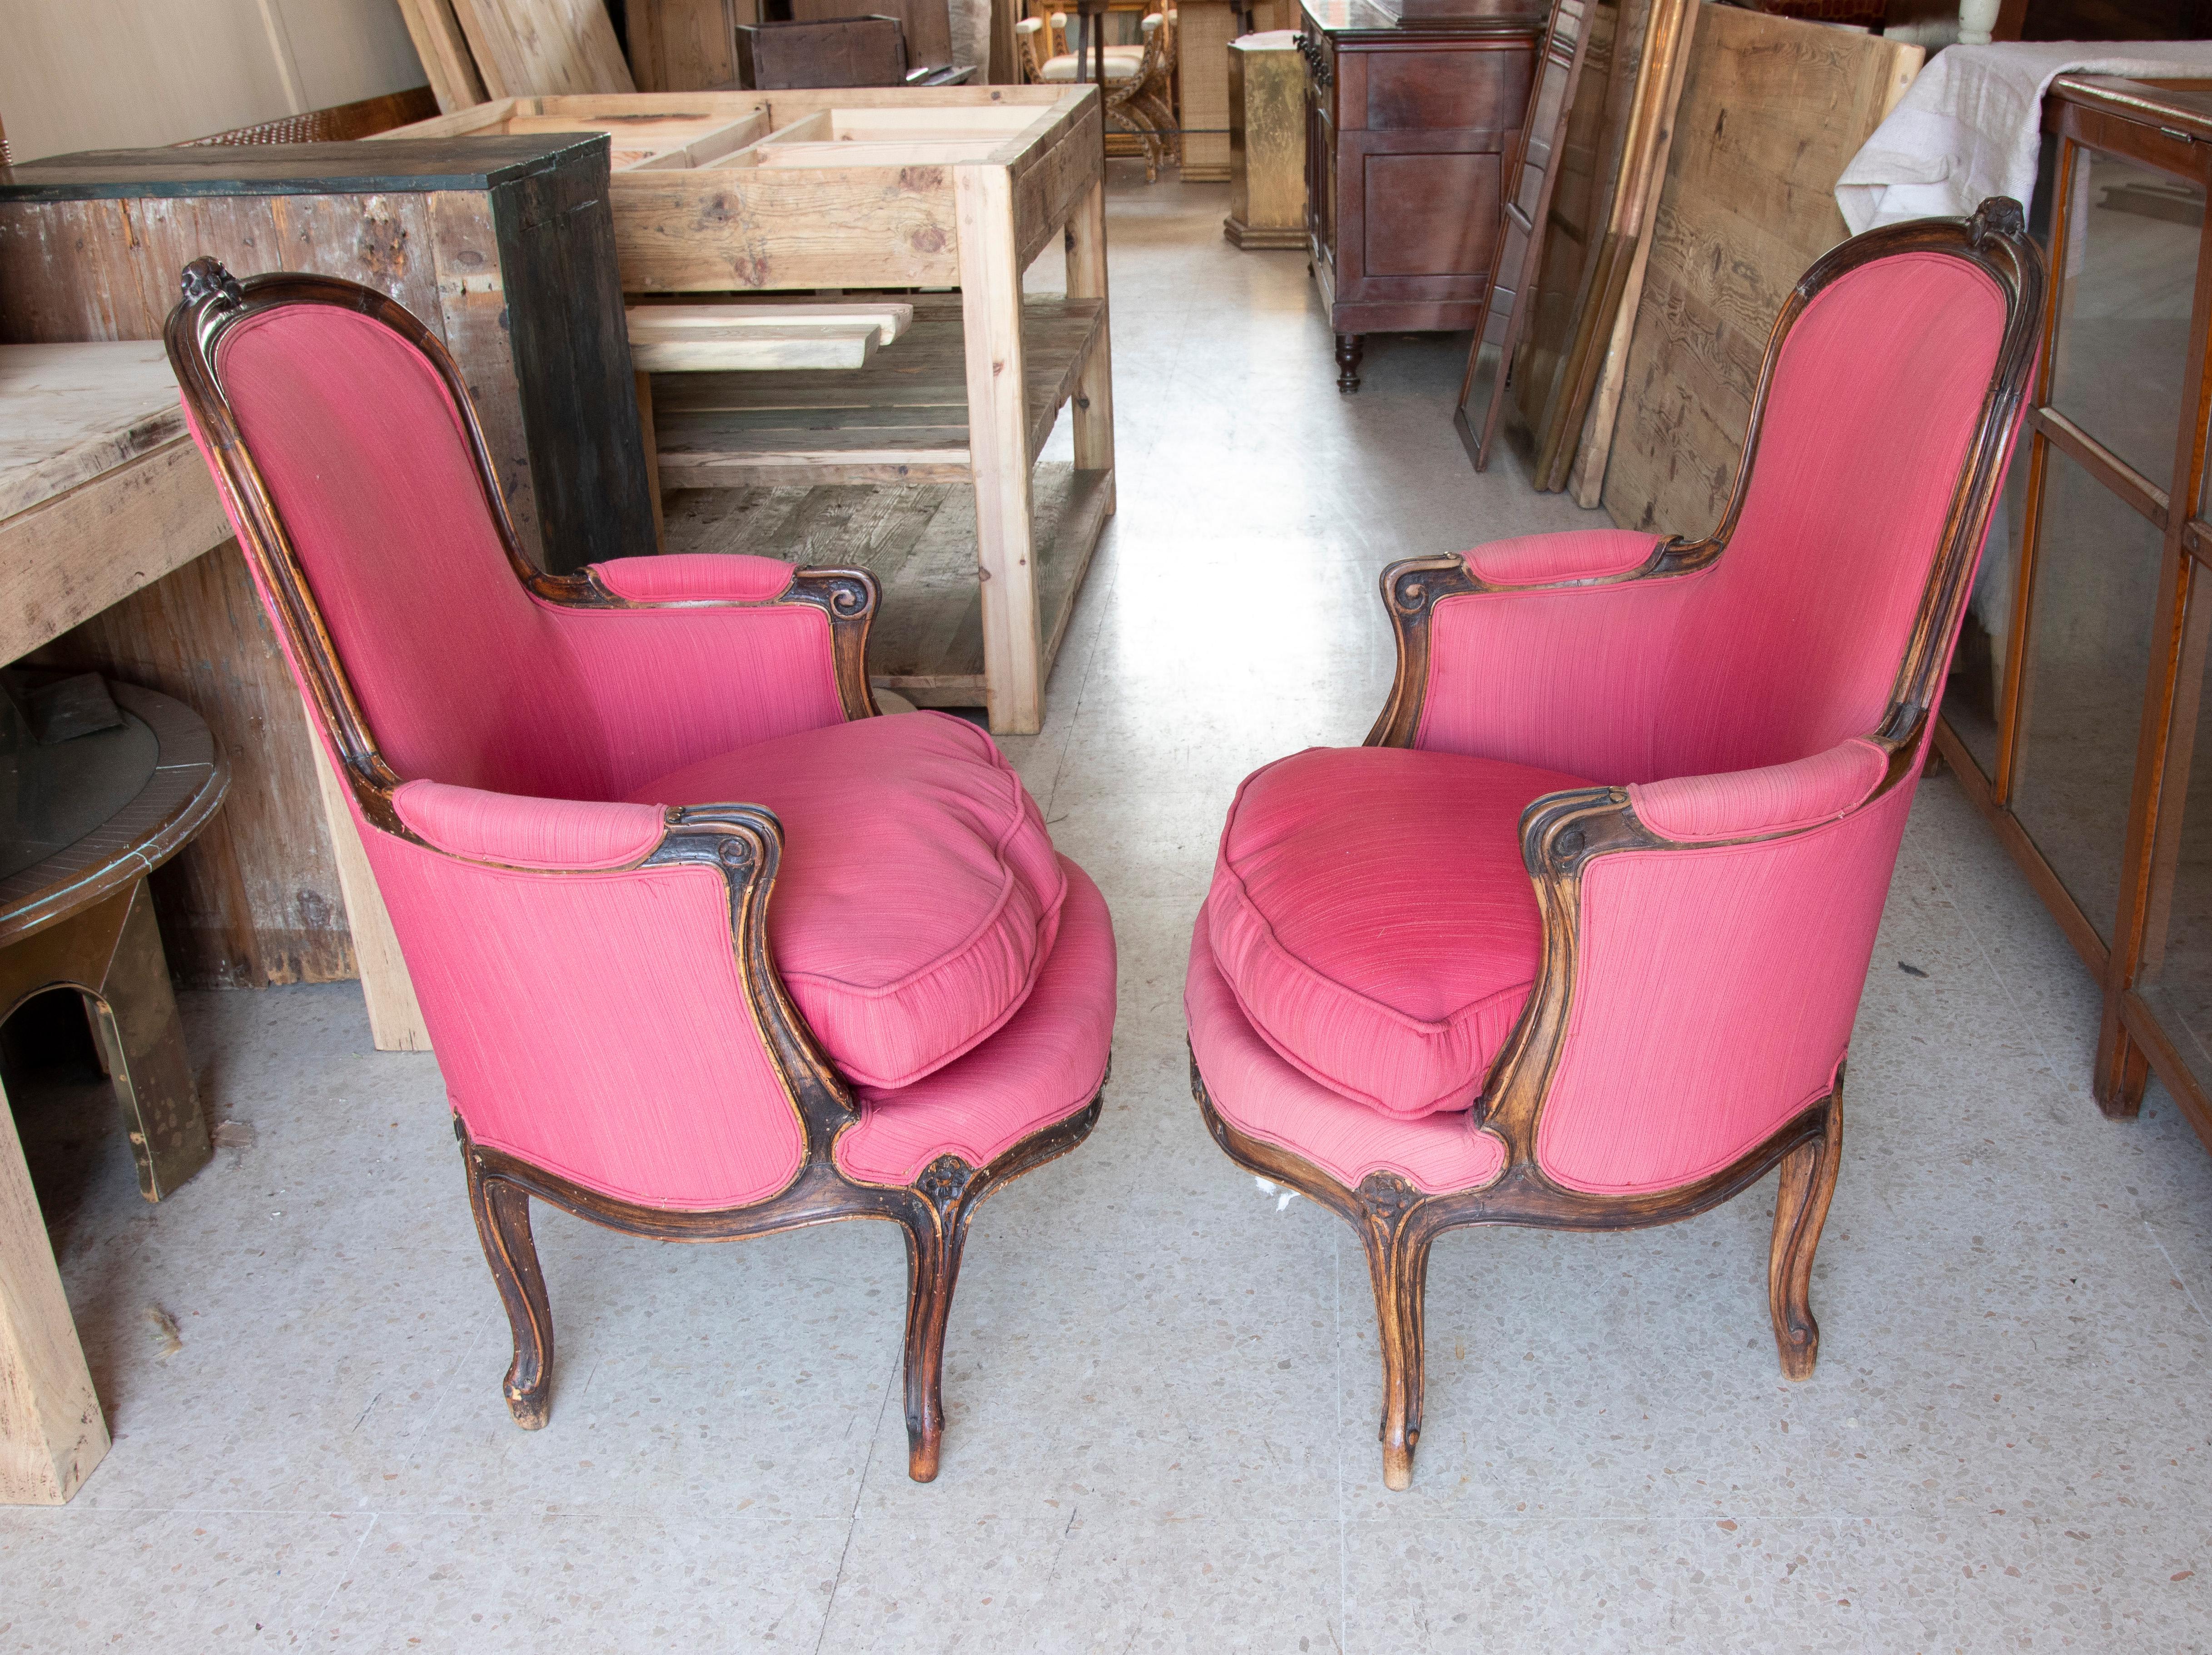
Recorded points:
(523, 48)
(919, 540)
(907, 410)
(1770, 110)
(69, 412)
(685, 46)
(444, 51)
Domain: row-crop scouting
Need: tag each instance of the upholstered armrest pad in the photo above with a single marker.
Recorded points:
(534, 833)
(706, 577)
(1776, 799)
(1577, 555)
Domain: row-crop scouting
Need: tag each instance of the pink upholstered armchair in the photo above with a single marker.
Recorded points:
(1576, 940)
(705, 949)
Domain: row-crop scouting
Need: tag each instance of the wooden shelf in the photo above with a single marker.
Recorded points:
(919, 540)
(903, 418)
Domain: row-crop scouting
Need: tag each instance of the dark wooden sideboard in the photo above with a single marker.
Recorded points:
(1407, 124)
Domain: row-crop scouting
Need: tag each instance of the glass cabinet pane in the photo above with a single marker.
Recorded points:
(2122, 344)
(2175, 978)
(2088, 659)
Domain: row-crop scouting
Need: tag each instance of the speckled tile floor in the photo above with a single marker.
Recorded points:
(1162, 1390)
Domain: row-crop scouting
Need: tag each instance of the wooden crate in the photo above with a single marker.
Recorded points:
(502, 249)
(743, 194)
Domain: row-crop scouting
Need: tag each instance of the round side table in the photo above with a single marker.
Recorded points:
(82, 822)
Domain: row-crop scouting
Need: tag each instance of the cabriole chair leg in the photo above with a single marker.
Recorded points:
(936, 1228)
(1801, 1207)
(1398, 1264)
(502, 1216)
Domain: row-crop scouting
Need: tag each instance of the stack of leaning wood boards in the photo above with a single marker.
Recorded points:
(1712, 141)
(477, 49)
(1771, 111)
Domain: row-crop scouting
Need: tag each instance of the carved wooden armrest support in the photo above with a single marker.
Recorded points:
(745, 843)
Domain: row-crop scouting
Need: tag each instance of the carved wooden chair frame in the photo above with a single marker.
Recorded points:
(1563, 833)
(743, 842)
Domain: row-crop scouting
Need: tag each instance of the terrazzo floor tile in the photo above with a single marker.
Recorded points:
(1162, 1384)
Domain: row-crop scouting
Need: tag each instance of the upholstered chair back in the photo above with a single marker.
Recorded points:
(1791, 643)
(461, 677)
(1790, 638)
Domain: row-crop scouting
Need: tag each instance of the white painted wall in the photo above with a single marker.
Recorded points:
(115, 74)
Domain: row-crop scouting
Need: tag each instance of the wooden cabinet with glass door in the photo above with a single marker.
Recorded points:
(2078, 713)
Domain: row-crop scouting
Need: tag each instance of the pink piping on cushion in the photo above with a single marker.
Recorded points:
(1291, 933)
(1576, 554)
(618, 1048)
(1713, 998)
(1777, 799)
(1254, 1090)
(1044, 1063)
(695, 577)
(896, 992)
(543, 833)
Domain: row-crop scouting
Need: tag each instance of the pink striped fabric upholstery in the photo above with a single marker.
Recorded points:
(1259, 1093)
(1789, 644)
(588, 1012)
(499, 827)
(1713, 1000)
(1715, 984)
(1371, 915)
(593, 1024)
(1046, 1063)
(463, 677)
(1778, 799)
(919, 895)
(722, 577)
(1577, 555)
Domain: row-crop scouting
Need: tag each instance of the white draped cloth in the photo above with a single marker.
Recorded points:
(1970, 126)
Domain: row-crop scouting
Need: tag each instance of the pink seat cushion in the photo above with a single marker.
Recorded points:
(1371, 915)
(919, 894)
(1263, 1097)
(1046, 1063)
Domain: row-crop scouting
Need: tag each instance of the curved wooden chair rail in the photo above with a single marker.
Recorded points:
(1563, 834)
(742, 843)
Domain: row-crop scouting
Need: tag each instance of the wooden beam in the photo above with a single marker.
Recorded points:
(998, 437)
(51, 1431)
(395, 1017)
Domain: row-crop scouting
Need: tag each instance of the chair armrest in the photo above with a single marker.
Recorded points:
(684, 657)
(1547, 649)
(547, 834)
(598, 980)
(1705, 944)
(1753, 804)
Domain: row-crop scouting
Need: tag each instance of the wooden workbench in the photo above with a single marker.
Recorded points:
(750, 193)
(104, 503)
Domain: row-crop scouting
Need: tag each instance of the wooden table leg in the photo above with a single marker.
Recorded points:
(110, 952)
(998, 446)
(1094, 390)
(644, 388)
(51, 1431)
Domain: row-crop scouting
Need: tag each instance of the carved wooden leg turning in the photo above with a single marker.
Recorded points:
(1801, 1206)
(503, 1215)
(1350, 348)
(1398, 1264)
(936, 1230)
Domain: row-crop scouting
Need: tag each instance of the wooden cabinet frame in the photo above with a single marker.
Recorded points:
(2168, 127)
(766, 200)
